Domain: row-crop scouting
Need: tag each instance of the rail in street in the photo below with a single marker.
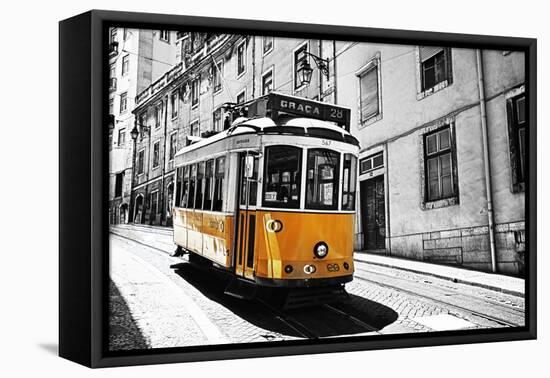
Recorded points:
(156, 306)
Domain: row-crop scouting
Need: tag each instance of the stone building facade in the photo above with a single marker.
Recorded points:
(422, 182)
(417, 112)
(136, 58)
(188, 102)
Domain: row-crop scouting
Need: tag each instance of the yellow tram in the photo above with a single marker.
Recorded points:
(271, 199)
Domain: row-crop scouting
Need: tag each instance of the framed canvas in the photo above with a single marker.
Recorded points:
(234, 188)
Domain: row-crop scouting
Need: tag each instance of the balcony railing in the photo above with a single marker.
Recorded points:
(112, 84)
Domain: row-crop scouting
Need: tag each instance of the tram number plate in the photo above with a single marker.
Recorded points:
(333, 267)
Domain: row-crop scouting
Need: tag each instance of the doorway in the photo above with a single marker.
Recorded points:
(246, 215)
(373, 213)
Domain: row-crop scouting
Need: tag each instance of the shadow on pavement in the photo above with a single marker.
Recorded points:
(124, 333)
(322, 321)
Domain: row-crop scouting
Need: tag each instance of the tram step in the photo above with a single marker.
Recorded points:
(241, 289)
(308, 297)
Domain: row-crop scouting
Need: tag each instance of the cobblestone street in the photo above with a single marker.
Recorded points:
(154, 306)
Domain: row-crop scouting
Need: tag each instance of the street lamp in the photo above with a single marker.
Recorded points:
(305, 70)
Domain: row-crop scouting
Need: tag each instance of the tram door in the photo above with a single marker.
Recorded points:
(248, 182)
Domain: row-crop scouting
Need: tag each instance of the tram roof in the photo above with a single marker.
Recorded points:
(286, 125)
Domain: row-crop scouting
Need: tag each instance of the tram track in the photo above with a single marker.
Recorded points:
(447, 304)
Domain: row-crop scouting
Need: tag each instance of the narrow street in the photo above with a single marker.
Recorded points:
(154, 306)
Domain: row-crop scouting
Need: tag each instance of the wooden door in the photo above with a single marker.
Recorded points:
(373, 213)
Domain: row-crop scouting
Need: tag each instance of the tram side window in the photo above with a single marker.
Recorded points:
(218, 184)
(192, 179)
(282, 177)
(322, 179)
(185, 186)
(208, 185)
(348, 189)
(249, 185)
(179, 174)
(199, 186)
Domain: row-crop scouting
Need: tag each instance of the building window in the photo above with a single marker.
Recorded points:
(300, 56)
(517, 125)
(123, 102)
(112, 70)
(323, 167)
(241, 97)
(119, 179)
(125, 64)
(113, 35)
(369, 88)
(372, 162)
(140, 161)
(195, 129)
(282, 176)
(173, 145)
(156, 153)
(267, 82)
(218, 72)
(125, 33)
(121, 137)
(440, 170)
(195, 92)
(267, 44)
(158, 115)
(435, 68)
(217, 120)
(174, 103)
(241, 58)
(111, 106)
(164, 35)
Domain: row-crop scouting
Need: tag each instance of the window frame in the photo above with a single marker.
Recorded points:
(172, 151)
(270, 71)
(195, 92)
(454, 198)
(271, 204)
(265, 52)
(219, 181)
(239, 45)
(121, 132)
(351, 182)
(125, 65)
(123, 106)
(218, 73)
(117, 175)
(243, 93)
(141, 162)
(336, 182)
(157, 156)
(174, 103)
(373, 64)
(518, 178)
(295, 66)
(161, 38)
(424, 92)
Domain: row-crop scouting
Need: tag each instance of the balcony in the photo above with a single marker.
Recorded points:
(113, 49)
(112, 84)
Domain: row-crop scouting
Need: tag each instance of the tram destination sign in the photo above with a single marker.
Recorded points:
(275, 103)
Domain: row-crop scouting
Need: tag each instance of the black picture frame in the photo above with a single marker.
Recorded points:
(83, 159)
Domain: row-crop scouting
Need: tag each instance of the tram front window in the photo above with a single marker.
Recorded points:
(322, 179)
(282, 177)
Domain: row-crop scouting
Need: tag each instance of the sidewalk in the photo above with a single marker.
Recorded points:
(496, 282)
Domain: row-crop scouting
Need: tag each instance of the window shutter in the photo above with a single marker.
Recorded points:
(426, 52)
(369, 94)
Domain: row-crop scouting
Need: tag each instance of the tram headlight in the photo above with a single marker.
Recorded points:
(320, 250)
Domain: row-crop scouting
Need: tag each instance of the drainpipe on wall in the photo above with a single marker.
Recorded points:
(486, 162)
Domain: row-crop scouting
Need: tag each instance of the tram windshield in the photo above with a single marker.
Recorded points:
(323, 168)
(282, 177)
